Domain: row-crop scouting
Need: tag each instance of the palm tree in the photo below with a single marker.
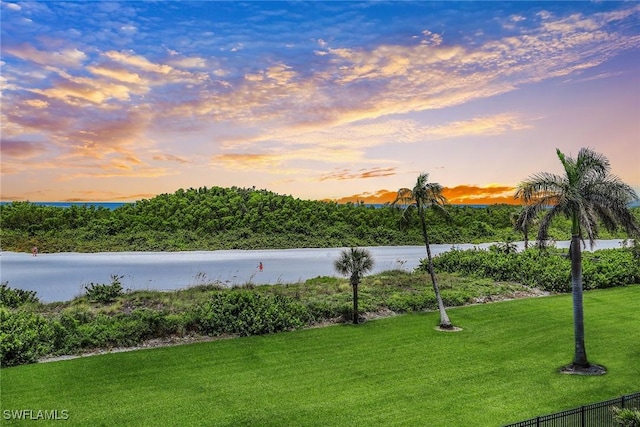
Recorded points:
(426, 195)
(354, 262)
(586, 193)
(522, 222)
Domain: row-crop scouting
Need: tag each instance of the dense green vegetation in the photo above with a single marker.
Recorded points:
(240, 218)
(108, 317)
(396, 371)
(549, 270)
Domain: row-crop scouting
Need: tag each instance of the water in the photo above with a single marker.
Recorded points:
(62, 276)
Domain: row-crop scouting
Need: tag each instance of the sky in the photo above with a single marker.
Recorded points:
(325, 100)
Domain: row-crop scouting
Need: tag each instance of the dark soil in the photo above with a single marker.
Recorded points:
(580, 370)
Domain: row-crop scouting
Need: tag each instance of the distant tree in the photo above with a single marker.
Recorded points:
(354, 262)
(422, 196)
(586, 193)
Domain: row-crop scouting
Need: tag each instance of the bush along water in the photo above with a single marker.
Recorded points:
(102, 293)
(549, 269)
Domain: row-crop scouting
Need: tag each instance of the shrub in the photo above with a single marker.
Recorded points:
(14, 298)
(403, 302)
(549, 270)
(147, 324)
(104, 294)
(79, 328)
(24, 337)
(320, 310)
(245, 313)
(626, 417)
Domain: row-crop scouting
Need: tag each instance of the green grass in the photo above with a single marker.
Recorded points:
(397, 371)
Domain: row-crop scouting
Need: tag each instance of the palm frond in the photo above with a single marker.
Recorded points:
(587, 221)
(403, 197)
(528, 214)
(545, 222)
(589, 163)
(354, 262)
(540, 185)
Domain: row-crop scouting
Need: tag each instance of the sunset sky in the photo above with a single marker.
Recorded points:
(107, 101)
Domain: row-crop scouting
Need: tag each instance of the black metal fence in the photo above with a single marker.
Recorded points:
(594, 415)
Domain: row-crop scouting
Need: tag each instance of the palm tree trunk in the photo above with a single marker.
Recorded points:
(444, 318)
(580, 356)
(355, 302)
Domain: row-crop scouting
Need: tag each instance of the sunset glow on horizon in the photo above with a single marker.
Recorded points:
(344, 101)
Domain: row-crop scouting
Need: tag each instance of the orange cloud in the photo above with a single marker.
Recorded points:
(459, 195)
(379, 197)
(248, 161)
(170, 158)
(345, 174)
(474, 195)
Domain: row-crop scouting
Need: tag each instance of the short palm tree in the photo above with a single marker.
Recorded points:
(422, 196)
(588, 194)
(355, 263)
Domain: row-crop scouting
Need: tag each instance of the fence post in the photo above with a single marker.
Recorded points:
(622, 401)
(582, 420)
(537, 421)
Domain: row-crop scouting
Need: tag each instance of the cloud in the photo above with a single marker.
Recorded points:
(248, 161)
(390, 79)
(346, 174)
(283, 161)
(70, 57)
(459, 195)
(469, 194)
(323, 101)
(373, 133)
(170, 158)
(378, 197)
(193, 62)
(36, 103)
(138, 61)
(11, 6)
(21, 149)
(116, 74)
(380, 81)
(98, 196)
(80, 91)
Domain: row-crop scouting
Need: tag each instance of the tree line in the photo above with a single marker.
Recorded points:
(247, 218)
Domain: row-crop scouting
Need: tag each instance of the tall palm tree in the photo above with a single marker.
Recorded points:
(586, 193)
(354, 262)
(422, 196)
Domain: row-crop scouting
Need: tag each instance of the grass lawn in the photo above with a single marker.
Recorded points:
(397, 371)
